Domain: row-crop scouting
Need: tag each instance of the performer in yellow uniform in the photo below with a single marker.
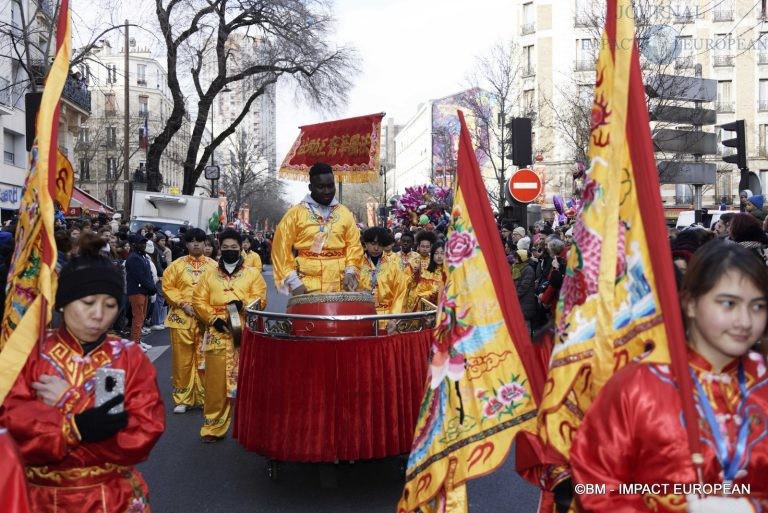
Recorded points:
(179, 281)
(381, 273)
(419, 263)
(230, 283)
(326, 240)
(250, 258)
(406, 253)
(429, 282)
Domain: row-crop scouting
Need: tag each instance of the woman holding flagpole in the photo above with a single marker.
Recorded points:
(632, 439)
(79, 456)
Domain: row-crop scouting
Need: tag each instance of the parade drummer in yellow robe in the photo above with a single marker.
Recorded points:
(250, 258)
(381, 274)
(324, 237)
(179, 281)
(230, 283)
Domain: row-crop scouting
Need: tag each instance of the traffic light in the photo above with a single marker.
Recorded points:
(739, 142)
(519, 138)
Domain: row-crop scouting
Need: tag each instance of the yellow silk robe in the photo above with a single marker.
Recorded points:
(418, 266)
(210, 300)
(391, 285)
(179, 281)
(323, 272)
(216, 290)
(252, 259)
(428, 286)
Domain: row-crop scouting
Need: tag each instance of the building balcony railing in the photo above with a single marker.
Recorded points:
(76, 92)
(47, 7)
(585, 65)
(527, 28)
(723, 15)
(141, 82)
(762, 105)
(685, 17)
(762, 151)
(721, 106)
(110, 112)
(685, 62)
(582, 20)
(723, 60)
(762, 58)
(6, 90)
(529, 71)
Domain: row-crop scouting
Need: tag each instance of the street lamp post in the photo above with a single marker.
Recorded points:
(383, 172)
(213, 171)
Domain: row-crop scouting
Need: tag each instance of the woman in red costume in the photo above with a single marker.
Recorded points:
(79, 458)
(634, 434)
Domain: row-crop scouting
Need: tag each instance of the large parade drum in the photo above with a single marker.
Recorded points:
(332, 304)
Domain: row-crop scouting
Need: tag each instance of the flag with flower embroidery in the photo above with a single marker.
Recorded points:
(479, 394)
(31, 275)
(618, 301)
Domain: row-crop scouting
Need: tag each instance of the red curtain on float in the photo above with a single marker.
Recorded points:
(317, 400)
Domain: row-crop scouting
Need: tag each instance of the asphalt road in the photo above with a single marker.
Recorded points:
(185, 475)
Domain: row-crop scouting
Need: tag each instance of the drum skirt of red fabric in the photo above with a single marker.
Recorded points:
(317, 400)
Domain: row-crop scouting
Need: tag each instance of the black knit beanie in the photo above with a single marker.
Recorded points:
(78, 281)
(88, 274)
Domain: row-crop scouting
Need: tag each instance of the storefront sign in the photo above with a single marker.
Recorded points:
(10, 197)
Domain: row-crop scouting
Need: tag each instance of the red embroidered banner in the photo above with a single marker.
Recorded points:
(351, 146)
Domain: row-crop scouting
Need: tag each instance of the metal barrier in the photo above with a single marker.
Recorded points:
(279, 325)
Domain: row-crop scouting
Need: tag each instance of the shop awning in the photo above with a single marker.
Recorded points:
(81, 199)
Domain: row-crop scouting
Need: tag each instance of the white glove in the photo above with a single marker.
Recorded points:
(717, 505)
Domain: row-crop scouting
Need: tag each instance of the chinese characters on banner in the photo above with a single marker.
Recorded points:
(350, 146)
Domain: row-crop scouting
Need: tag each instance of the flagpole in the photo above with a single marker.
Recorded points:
(649, 200)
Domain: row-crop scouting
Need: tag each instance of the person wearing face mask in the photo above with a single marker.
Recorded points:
(78, 456)
(179, 282)
(325, 238)
(231, 283)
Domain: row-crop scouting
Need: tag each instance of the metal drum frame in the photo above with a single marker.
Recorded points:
(278, 325)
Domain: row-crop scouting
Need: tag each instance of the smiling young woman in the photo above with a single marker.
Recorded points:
(633, 432)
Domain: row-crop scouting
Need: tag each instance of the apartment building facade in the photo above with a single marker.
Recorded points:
(259, 125)
(99, 151)
(559, 42)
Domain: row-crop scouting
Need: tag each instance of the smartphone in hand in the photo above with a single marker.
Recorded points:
(109, 383)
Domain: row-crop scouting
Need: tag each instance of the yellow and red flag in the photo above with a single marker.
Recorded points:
(31, 276)
(618, 301)
(351, 146)
(479, 393)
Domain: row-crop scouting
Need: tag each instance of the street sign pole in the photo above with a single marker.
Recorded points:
(695, 142)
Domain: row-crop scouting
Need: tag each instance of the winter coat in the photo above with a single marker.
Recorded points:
(526, 291)
(138, 275)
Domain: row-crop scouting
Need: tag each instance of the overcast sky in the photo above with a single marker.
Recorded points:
(411, 50)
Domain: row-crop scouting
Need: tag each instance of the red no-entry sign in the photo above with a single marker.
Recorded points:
(525, 185)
